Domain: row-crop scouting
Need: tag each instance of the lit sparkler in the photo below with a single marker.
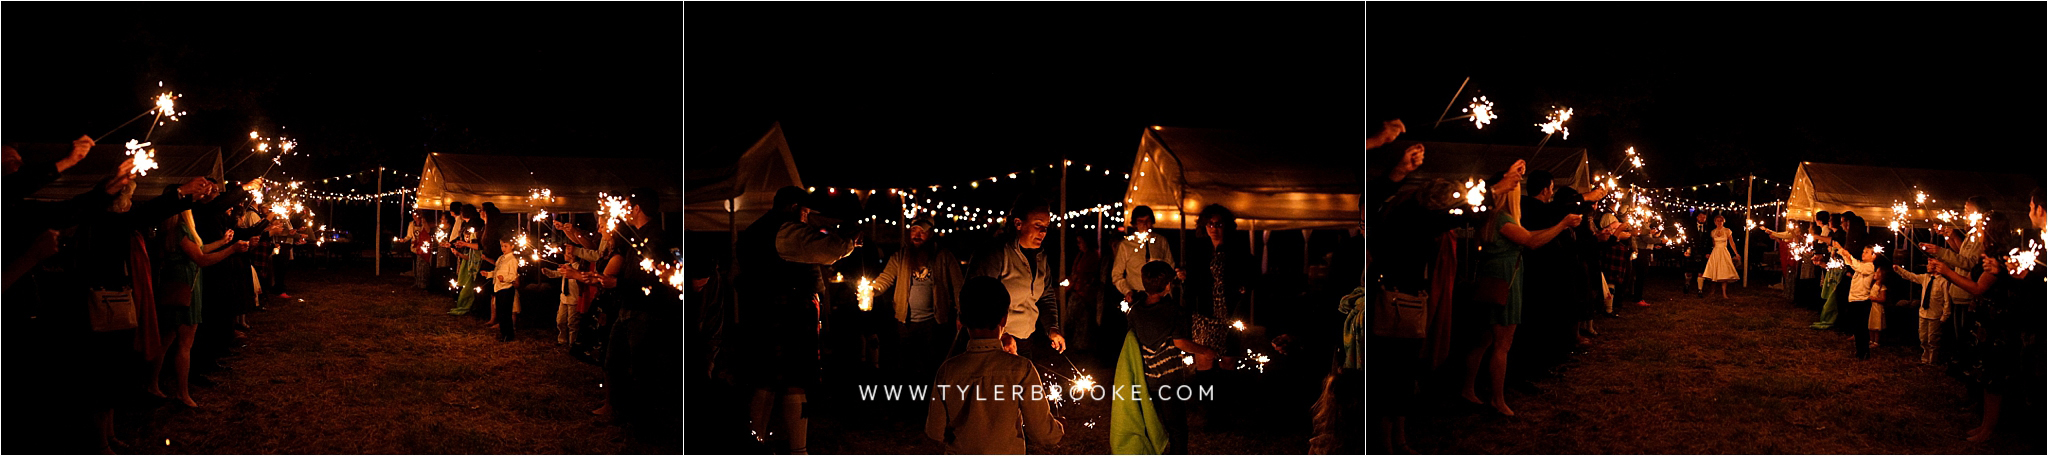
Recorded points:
(1555, 122)
(1482, 112)
(166, 107)
(866, 290)
(145, 158)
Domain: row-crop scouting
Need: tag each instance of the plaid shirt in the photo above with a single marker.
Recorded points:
(1615, 259)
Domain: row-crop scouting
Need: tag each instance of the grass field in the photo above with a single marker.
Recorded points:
(1740, 376)
(357, 364)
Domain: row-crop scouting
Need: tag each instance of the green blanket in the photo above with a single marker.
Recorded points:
(1134, 426)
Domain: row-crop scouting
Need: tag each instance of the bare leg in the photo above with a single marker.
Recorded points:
(1983, 432)
(181, 382)
(1724, 290)
(1472, 364)
(156, 367)
(1503, 339)
(104, 421)
(799, 425)
(757, 414)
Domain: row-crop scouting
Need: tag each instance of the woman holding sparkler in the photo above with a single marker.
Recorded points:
(2005, 319)
(1500, 284)
(1721, 262)
(1834, 290)
(470, 260)
(181, 294)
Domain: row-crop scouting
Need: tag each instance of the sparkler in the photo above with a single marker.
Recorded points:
(867, 299)
(613, 209)
(1481, 112)
(145, 159)
(1144, 239)
(1554, 123)
(1125, 305)
(1239, 324)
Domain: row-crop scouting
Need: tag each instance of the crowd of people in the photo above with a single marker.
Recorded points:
(133, 297)
(984, 314)
(1530, 275)
(1977, 307)
(612, 308)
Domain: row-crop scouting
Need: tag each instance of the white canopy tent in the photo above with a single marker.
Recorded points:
(1270, 181)
(730, 197)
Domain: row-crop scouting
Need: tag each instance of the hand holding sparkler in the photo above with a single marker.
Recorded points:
(79, 148)
(122, 177)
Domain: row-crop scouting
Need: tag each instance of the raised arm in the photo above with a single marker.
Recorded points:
(801, 243)
(1538, 238)
(198, 254)
(1975, 286)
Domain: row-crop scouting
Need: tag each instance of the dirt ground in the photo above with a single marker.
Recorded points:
(356, 364)
(1709, 376)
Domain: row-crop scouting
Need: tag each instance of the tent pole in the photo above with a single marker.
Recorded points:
(1746, 213)
(1061, 296)
(378, 244)
(1181, 201)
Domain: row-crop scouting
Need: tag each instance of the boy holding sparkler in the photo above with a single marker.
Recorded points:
(969, 409)
(504, 282)
(1935, 302)
(1161, 328)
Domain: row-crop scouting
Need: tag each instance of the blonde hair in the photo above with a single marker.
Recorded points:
(1510, 203)
(124, 200)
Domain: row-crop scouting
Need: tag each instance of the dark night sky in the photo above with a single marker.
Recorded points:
(877, 95)
(360, 84)
(1713, 91)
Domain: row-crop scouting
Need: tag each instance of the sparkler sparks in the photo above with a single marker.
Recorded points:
(166, 107)
(145, 158)
(867, 298)
(1555, 122)
(1482, 112)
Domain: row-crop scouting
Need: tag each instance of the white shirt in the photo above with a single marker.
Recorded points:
(1865, 280)
(507, 273)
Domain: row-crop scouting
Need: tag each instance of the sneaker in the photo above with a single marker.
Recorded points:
(1644, 303)
(284, 296)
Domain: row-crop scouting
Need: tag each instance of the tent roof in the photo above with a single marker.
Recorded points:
(750, 183)
(1460, 161)
(1270, 180)
(574, 181)
(1870, 191)
(175, 165)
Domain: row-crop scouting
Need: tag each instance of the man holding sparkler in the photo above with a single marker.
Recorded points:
(1018, 258)
(779, 258)
(926, 280)
(1962, 251)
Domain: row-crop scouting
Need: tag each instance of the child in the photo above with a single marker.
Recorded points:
(1161, 327)
(974, 406)
(505, 281)
(1863, 287)
(1934, 308)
